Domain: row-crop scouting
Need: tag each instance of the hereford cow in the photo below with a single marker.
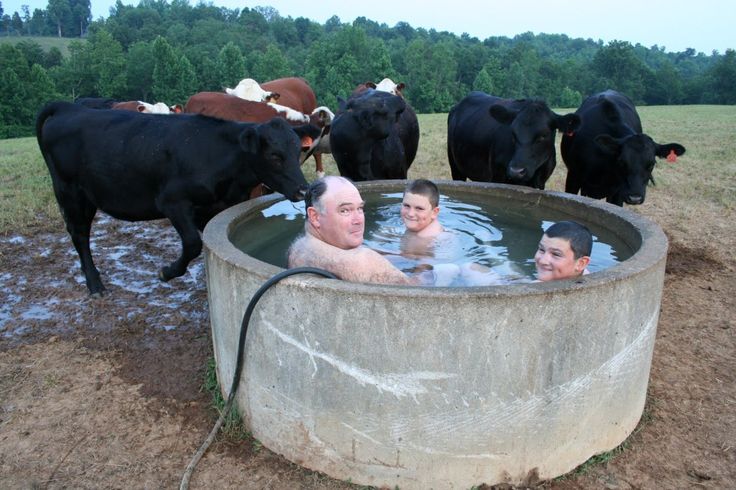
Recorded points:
(145, 166)
(131, 105)
(249, 89)
(365, 141)
(490, 139)
(609, 155)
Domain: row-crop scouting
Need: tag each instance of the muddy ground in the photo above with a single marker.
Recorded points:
(107, 393)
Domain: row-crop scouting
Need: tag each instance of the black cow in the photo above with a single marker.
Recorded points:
(365, 139)
(490, 139)
(139, 167)
(609, 156)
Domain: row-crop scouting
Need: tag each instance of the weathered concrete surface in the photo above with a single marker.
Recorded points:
(441, 388)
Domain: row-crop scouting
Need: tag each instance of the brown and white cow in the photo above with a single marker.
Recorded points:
(145, 107)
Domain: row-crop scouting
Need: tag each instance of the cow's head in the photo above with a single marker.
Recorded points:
(249, 89)
(533, 128)
(635, 157)
(388, 85)
(272, 153)
(376, 112)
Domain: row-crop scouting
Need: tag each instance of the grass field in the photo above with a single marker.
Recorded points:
(46, 42)
(702, 181)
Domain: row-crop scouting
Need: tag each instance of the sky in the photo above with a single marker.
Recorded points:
(704, 25)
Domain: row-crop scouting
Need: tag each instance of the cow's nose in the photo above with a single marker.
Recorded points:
(517, 173)
(300, 194)
(635, 199)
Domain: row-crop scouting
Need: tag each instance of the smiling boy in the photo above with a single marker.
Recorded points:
(564, 251)
(420, 208)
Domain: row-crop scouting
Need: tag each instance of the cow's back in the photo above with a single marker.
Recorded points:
(229, 107)
(294, 93)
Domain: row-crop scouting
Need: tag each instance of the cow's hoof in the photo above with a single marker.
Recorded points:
(164, 274)
(96, 295)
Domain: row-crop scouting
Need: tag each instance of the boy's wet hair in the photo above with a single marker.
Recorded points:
(579, 236)
(426, 188)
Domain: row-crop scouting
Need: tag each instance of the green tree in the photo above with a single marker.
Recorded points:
(174, 79)
(139, 70)
(230, 65)
(615, 66)
(60, 12)
(270, 65)
(81, 15)
(42, 88)
(108, 64)
(483, 82)
(723, 77)
(431, 75)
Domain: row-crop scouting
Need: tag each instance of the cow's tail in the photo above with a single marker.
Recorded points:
(47, 111)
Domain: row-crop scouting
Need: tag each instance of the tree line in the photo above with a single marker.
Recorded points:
(161, 51)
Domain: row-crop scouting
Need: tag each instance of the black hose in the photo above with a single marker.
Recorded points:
(239, 361)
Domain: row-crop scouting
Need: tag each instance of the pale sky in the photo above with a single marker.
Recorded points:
(675, 24)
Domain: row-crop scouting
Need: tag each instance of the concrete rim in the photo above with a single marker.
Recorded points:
(638, 232)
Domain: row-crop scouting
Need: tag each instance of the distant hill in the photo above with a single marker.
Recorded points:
(46, 42)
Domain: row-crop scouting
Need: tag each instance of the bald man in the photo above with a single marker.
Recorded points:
(333, 238)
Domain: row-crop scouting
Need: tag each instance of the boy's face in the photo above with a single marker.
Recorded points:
(555, 260)
(417, 212)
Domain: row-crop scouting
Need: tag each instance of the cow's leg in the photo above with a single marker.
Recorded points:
(78, 214)
(318, 164)
(454, 170)
(181, 215)
(572, 184)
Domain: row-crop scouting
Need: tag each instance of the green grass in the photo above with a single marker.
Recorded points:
(26, 196)
(46, 42)
(233, 427)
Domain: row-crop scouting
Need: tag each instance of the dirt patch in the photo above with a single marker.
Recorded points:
(108, 393)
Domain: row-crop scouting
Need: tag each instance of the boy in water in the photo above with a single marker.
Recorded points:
(564, 251)
(420, 208)
(419, 212)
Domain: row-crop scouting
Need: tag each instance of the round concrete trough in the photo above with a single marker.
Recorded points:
(441, 388)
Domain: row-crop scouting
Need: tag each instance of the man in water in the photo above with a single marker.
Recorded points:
(333, 236)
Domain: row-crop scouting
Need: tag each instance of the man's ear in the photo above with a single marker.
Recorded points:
(313, 216)
(435, 212)
(581, 264)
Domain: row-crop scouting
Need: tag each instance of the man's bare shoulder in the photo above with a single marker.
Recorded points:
(360, 264)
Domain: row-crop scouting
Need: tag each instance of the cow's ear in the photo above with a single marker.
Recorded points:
(502, 114)
(177, 109)
(249, 140)
(396, 104)
(608, 143)
(307, 130)
(140, 108)
(370, 85)
(400, 86)
(663, 151)
(567, 124)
